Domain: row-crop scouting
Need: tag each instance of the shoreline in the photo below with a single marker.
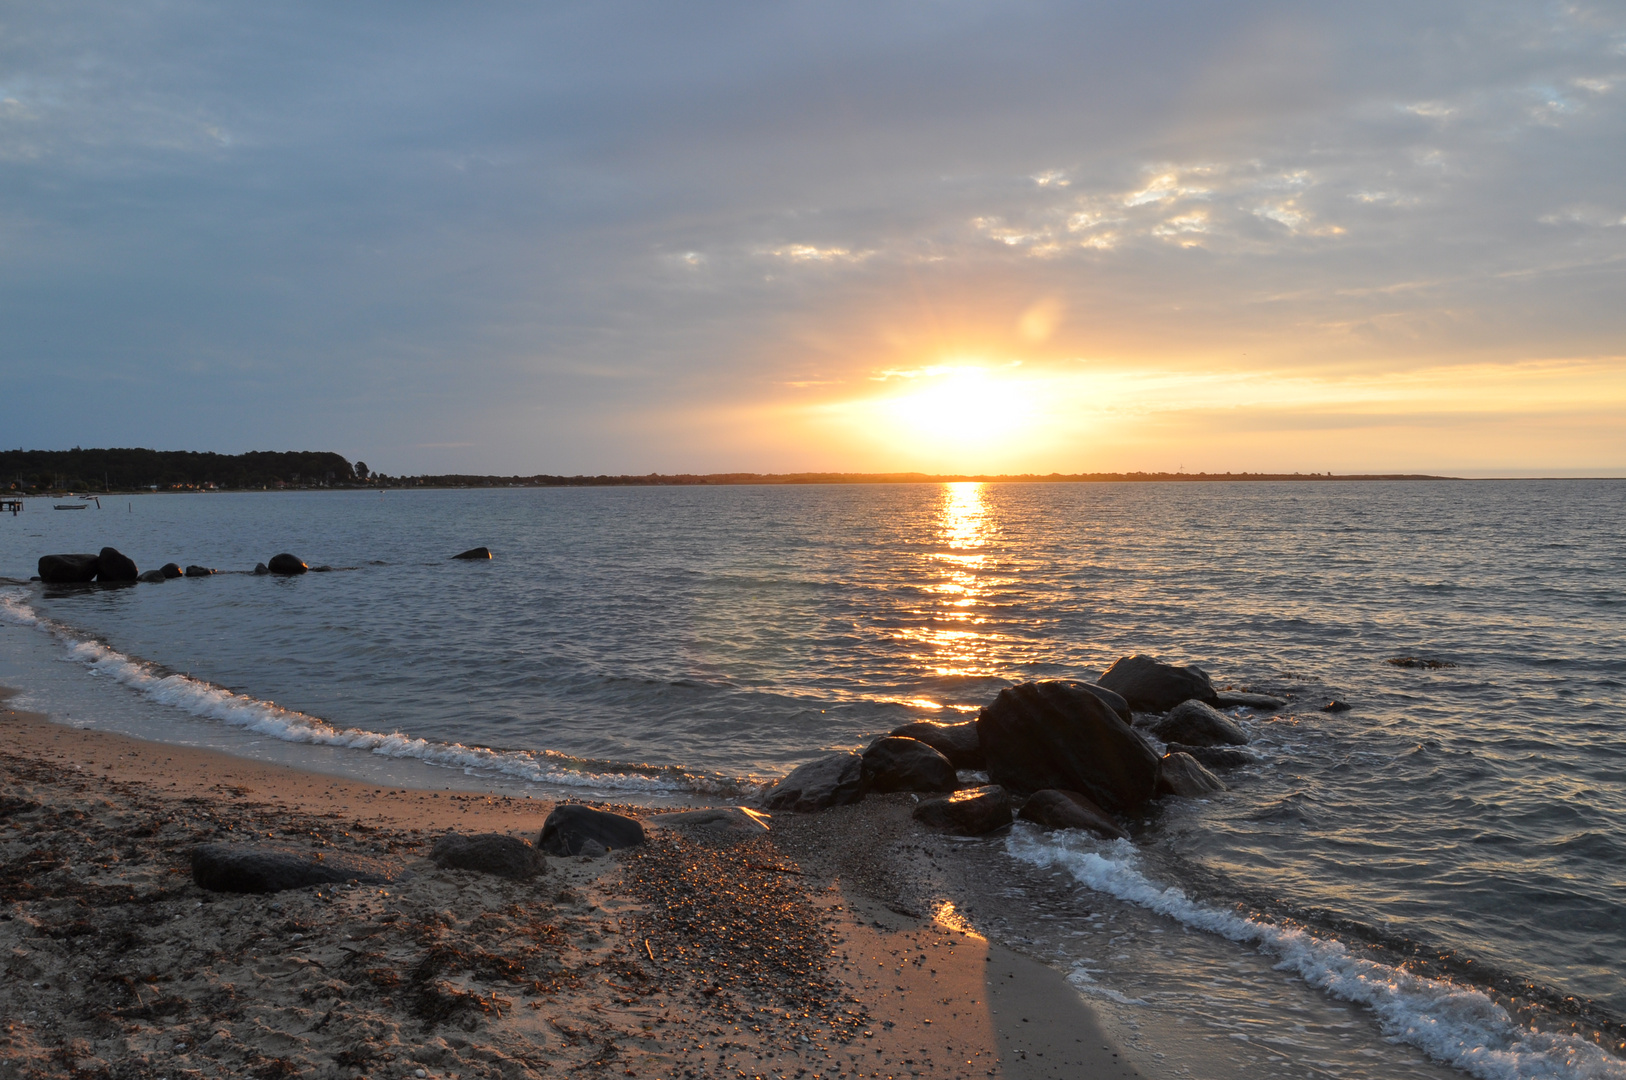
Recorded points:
(119, 965)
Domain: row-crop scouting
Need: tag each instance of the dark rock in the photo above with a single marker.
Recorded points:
(260, 569)
(169, 569)
(321, 569)
(488, 853)
(1111, 700)
(960, 743)
(1216, 757)
(715, 819)
(1060, 735)
(152, 576)
(1336, 706)
(1180, 774)
(68, 569)
(1426, 662)
(1196, 724)
(834, 780)
(198, 571)
(268, 868)
(474, 553)
(972, 812)
(1054, 809)
(1151, 686)
(286, 564)
(113, 565)
(1231, 699)
(893, 763)
(573, 829)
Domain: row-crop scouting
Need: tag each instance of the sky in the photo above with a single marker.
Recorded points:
(946, 236)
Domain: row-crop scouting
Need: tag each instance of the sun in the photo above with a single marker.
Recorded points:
(958, 406)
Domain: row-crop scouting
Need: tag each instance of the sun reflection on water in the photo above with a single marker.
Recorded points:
(952, 630)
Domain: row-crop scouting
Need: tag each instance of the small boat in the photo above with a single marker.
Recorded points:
(69, 506)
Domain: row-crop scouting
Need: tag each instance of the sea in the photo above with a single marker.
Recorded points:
(1429, 883)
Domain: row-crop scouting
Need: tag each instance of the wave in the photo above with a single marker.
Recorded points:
(210, 702)
(1454, 1024)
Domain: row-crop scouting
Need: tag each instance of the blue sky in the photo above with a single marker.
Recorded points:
(613, 237)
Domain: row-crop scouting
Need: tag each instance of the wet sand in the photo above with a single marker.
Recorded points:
(793, 953)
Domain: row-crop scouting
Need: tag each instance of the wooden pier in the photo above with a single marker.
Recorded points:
(14, 505)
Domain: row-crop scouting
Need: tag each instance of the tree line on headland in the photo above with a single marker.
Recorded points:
(171, 470)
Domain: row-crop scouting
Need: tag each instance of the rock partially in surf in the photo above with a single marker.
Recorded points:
(1149, 685)
(1181, 774)
(574, 829)
(113, 565)
(198, 571)
(474, 553)
(1336, 706)
(260, 569)
(488, 853)
(1215, 757)
(67, 569)
(833, 780)
(894, 763)
(1196, 724)
(960, 743)
(1111, 700)
(152, 577)
(1043, 735)
(715, 821)
(287, 564)
(170, 570)
(1053, 809)
(1232, 699)
(321, 569)
(971, 812)
(268, 868)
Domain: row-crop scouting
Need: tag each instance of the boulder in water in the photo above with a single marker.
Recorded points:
(152, 577)
(474, 553)
(113, 565)
(1336, 706)
(1230, 699)
(971, 812)
(67, 569)
(170, 570)
(1054, 809)
(1215, 757)
(260, 569)
(1059, 735)
(198, 571)
(488, 853)
(287, 564)
(268, 868)
(1151, 686)
(1196, 724)
(960, 743)
(1180, 774)
(573, 829)
(894, 763)
(833, 780)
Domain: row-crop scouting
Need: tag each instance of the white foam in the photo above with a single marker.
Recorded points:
(1454, 1024)
(210, 702)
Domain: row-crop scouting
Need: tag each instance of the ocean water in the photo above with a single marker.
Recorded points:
(1432, 881)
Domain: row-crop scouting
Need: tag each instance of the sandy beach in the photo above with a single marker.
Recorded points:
(793, 953)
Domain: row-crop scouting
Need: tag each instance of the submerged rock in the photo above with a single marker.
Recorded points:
(716, 820)
(474, 553)
(488, 853)
(268, 868)
(573, 829)
(67, 569)
(894, 763)
(198, 571)
(1149, 685)
(1336, 706)
(1060, 735)
(170, 570)
(972, 812)
(1053, 809)
(1180, 774)
(152, 577)
(287, 564)
(113, 565)
(833, 780)
(260, 569)
(1196, 724)
(1215, 757)
(1230, 699)
(960, 743)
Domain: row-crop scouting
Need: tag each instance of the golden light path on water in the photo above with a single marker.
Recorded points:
(952, 631)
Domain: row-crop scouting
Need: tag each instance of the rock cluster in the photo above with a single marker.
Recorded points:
(109, 564)
(573, 829)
